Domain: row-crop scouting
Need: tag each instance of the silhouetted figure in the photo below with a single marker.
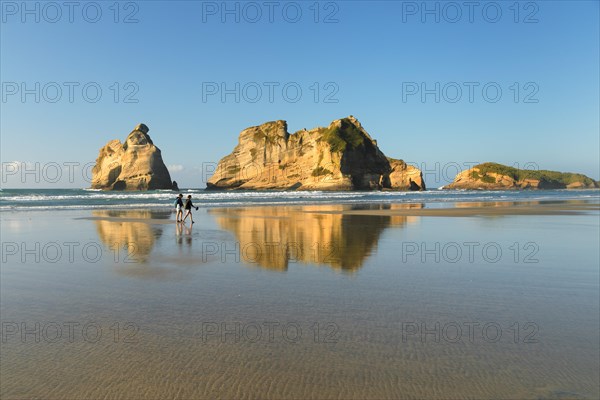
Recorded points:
(188, 208)
(179, 208)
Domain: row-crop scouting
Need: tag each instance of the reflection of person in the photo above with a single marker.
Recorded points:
(188, 208)
(178, 232)
(188, 234)
(179, 208)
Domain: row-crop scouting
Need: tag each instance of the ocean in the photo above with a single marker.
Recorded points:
(81, 199)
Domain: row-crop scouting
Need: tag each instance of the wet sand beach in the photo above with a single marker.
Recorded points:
(371, 301)
(469, 209)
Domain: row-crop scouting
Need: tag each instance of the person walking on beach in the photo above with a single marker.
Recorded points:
(188, 208)
(179, 208)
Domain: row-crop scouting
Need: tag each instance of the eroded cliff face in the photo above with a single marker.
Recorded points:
(493, 176)
(342, 156)
(405, 177)
(134, 165)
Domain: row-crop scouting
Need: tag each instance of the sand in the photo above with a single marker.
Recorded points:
(350, 275)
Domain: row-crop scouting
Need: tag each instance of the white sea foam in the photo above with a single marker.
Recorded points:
(47, 199)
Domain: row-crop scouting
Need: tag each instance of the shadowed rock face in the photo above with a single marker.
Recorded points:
(342, 156)
(493, 176)
(134, 165)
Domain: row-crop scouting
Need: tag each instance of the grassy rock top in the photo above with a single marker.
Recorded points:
(564, 178)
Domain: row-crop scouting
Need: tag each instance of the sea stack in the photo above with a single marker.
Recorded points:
(136, 164)
(342, 156)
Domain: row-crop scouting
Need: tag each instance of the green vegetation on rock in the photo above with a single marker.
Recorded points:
(554, 177)
(343, 137)
(266, 134)
(484, 178)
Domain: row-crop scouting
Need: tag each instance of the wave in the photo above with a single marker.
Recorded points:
(13, 199)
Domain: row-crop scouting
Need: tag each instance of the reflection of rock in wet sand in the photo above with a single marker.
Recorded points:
(131, 235)
(274, 236)
(546, 203)
(133, 239)
(471, 204)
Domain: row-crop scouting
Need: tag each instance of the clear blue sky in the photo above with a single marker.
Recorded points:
(372, 54)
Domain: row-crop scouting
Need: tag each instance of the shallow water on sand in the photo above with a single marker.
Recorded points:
(299, 302)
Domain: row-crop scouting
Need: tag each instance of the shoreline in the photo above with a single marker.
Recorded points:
(77, 200)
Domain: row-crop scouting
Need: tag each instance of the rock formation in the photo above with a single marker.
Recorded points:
(342, 156)
(493, 176)
(405, 177)
(134, 165)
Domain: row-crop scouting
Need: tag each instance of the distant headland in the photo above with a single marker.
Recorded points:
(494, 176)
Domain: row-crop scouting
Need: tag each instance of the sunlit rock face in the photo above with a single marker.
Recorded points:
(136, 164)
(342, 156)
(405, 177)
